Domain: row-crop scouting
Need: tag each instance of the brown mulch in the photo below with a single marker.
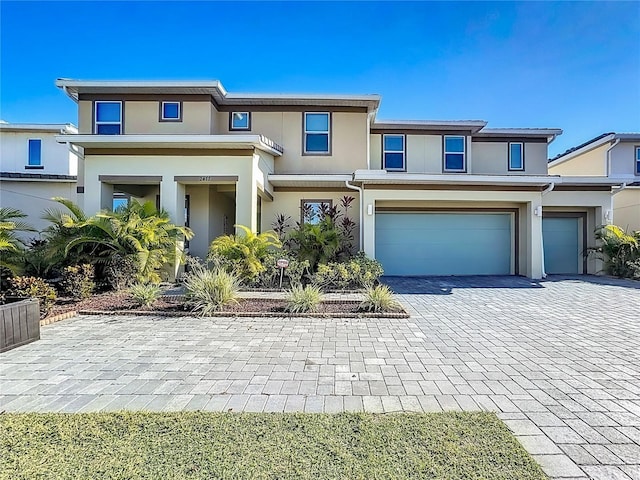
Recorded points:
(118, 301)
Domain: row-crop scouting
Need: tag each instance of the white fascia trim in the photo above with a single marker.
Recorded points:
(599, 180)
(586, 148)
(474, 125)
(381, 176)
(549, 133)
(293, 178)
(39, 127)
(172, 141)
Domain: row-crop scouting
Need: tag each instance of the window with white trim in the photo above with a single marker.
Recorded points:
(393, 152)
(240, 121)
(108, 118)
(171, 111)
(637, 160)
(516, 156)
(317, 133)
(35, 153)
(454, 154)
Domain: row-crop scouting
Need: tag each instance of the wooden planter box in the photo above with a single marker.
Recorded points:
(19, 324)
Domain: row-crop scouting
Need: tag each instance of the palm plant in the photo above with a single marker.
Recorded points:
(137, 231)
(10, 244)
(618, 249)
(316, 243)
(243, 253)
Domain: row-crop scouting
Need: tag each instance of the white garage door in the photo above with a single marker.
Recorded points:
(444, 243)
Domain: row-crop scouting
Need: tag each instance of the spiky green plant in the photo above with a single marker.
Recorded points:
(11, 245)
(145, 294)
(379, 299)
(243, 253)
(303, 299)
(207, 291)
(618, 249)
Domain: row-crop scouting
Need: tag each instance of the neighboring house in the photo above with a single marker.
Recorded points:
(615, 155)
(432, 197)
(34, 167)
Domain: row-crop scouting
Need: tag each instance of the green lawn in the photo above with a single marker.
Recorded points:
(260, 446)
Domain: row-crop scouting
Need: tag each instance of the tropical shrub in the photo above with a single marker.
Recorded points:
(33, 287)
(619, 250)
(207, 291)
(145, 294)
(35, 262)
(294, 274)
(303, 299)
(379, 299)
(244, 253)
(358, 272)
(322, 237)
(11, 246)
(121, 272)
(137, 231)
(77, 281)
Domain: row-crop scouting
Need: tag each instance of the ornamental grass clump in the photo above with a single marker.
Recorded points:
(145, 294)
(303, 299)
(207, 291)
(379, 299)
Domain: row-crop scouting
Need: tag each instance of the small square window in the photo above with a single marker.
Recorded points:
(393, 152)
(35, 152)
(454, 154)
(171, 111)
(313, 211)
(108, 118)
(240, 121)
(516, 156)
(317, 129)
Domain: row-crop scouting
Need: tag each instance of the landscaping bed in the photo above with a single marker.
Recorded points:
(203, 445)
(116, 303)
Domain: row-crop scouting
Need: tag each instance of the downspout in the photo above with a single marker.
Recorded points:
(613, 193)
(549, 188)
(360, 227)
(608, 155)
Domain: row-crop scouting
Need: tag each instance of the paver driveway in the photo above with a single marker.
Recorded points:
(559, 360)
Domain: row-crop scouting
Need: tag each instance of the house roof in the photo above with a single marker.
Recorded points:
(37, 176)
(38, 127)
(549, 133)
(591, 144)
(74, 88)
(471, 125)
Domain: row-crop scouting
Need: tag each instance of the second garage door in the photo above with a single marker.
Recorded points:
(444, 243)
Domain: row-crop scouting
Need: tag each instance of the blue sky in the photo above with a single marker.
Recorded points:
(572, 65)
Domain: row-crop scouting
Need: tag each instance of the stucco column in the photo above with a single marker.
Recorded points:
(172, 200)
(247, 202)
(534, 240)
(368, 223)
(106, 198)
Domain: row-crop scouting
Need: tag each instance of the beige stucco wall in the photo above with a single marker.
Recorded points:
(626, 209)
(492, 158)
(348, 142)
(288, 203)
(590, 163)
(85, 117)
(32, 198)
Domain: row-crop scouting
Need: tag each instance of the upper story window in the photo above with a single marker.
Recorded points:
(108, 120)
(637, 160)
(393, 152)
(454, 154)
(35, 153)
(317, 133)
(170, 111)
(313, 211)
(240, 121)
(516, 156)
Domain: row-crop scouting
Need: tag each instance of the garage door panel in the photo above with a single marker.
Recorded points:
(561, 245)
(444, 244)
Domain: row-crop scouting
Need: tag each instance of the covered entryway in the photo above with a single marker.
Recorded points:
(445, 243)
(562, 241)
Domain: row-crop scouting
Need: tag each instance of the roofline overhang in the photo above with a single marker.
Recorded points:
(259, 142)
(456, 125)
(73, 88)
(549, 133)
(39, 127)
(612, 137)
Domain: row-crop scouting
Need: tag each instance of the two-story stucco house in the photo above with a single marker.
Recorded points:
(433, 197)
(34, 167)
(615, 155)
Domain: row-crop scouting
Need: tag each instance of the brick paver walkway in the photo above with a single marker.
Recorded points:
(558, 360)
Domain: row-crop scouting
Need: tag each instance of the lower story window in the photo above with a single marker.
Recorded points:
(313, 211)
